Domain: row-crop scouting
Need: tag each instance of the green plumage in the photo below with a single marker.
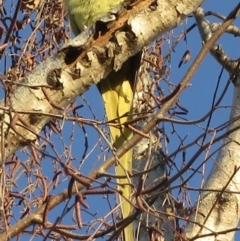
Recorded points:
(116, 91)
(84, 13)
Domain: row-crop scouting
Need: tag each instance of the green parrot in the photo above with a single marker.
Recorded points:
(117, 94)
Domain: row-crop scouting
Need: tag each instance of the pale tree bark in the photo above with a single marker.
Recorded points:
(149, 167)
(67, 82)
(217, 208)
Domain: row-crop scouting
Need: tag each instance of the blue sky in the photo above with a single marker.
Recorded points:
(197, 99)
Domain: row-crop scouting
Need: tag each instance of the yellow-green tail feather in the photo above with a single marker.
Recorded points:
(117, 93)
